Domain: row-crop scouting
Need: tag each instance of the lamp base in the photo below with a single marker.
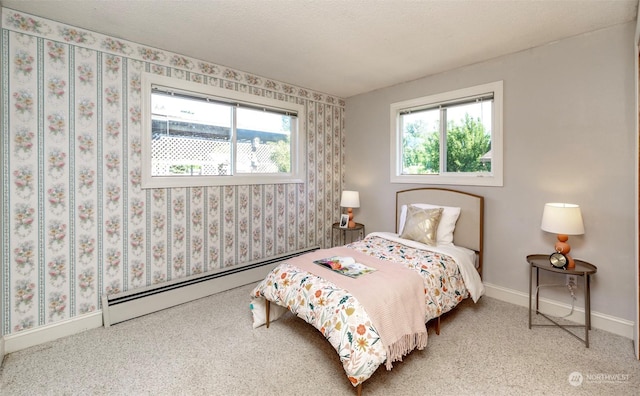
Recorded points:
(563, 247)
(352, 223)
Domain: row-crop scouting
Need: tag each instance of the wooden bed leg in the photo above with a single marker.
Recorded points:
(438, 326)
(359, 388)
(267, 305)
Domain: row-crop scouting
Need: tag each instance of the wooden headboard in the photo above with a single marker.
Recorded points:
(470, 225)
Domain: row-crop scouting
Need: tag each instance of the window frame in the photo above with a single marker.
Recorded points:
(297, 137)
(493, 178)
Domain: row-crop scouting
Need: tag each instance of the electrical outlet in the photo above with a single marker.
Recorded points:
(572, 280)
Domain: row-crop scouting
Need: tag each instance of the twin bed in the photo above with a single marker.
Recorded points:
(371, 299)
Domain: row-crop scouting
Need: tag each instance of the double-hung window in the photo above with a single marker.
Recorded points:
(200, 135)
(449, 138)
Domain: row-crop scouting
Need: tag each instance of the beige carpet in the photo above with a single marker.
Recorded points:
(208, 347)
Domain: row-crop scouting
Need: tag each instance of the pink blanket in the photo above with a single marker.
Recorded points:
(392, 296)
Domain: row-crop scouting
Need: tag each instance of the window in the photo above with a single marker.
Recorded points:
(199, 135)
(449, 138)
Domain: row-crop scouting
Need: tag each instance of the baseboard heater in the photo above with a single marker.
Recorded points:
(131, 304)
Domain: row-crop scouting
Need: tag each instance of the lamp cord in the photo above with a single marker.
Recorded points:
(572, 289)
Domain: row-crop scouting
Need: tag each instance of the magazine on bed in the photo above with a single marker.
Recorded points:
(345, 265)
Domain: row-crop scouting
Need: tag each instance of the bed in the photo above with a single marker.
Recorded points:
(372, 299)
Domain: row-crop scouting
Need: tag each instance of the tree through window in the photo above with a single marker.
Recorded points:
(449, 138)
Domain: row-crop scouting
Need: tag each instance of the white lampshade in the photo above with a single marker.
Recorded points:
(350, 199)
(562, 218)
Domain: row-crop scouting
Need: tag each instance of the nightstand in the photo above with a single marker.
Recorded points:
(541, 262)
(358, 230)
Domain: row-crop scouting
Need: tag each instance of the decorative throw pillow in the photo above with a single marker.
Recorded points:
(447, 224)
(422, 225)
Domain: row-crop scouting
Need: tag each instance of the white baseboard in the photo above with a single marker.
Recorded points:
(599, 320)
(29, 338)
(40, 335)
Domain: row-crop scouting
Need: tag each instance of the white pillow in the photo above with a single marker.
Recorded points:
(258, 308)
(447, 224)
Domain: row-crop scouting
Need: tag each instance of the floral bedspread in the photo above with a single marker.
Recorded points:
(340, 317)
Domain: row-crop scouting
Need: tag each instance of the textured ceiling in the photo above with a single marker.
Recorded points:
(338, 47)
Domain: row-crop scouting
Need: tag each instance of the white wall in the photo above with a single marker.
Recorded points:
(635, 50)
(569, 135)
(1, 225)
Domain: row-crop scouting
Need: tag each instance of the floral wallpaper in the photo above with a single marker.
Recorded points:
(75, 221)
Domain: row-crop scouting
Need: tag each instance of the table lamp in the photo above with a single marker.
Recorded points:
(350, 200)
(563, 219)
